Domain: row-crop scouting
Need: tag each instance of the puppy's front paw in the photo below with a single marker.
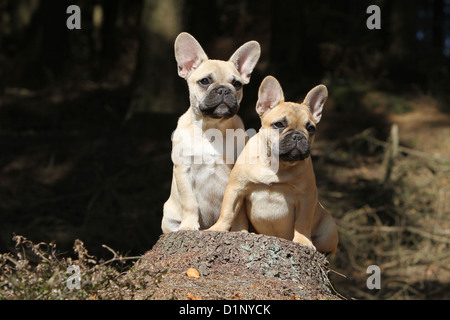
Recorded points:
(309, 245)
(300, 238)
(189, 225)
(218, 227)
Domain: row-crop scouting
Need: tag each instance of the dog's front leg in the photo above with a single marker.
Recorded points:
(231, 206)
(241, 222)
(303, 220)
(189, 205)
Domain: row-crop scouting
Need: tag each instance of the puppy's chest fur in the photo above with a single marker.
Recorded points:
(209, 178)
(271, 209)
(209, 183)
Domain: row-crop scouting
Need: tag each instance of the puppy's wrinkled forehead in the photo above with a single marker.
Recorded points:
(297, 115)
(216, 71)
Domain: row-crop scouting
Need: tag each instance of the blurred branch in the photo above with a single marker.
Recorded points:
(367, 135)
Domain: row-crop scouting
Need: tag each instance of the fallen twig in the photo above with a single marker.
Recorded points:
(366, 135)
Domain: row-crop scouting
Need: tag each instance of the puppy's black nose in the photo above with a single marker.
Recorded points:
(222, 91)
(298, 137)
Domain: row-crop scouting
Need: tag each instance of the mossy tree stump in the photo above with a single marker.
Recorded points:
(229, 265)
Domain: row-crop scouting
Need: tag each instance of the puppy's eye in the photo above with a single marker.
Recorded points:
(278, 125)
(311, 129)
(236, 84)
(204, 82)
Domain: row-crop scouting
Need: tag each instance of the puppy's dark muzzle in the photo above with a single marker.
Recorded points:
(220, 102)
(294, 147)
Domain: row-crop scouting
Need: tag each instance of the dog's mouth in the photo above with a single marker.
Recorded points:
(220, 103)
(295, 154)
(220, 111)
(224, 111)
(294, 147)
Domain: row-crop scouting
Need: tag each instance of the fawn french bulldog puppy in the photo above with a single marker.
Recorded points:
(201, 155)
(280, 200)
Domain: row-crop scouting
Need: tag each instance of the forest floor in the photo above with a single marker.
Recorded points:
(72, 168)
(399, 220)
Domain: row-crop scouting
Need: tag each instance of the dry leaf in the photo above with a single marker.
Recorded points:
(236, 296)
(192, 273)
(190, 296)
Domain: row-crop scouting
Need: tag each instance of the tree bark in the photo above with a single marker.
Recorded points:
(230, 265)
(155, 79)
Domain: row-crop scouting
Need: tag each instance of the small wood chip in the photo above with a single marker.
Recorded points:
(192, 273)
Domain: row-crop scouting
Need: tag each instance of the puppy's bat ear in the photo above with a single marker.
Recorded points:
(188, 53)
(270, 95)
(315, 100)
(245, 59)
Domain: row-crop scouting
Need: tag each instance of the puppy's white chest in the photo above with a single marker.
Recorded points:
(209, 183)
(209, 175)
(210, 167)
(272, 211)
(202, 148)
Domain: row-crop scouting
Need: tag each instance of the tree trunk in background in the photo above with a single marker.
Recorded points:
(285, 21)
(54, 49)
(438, 27)
(44, 51)
(295, 42)
(201, 13)
(109, 34)
(155, 81)
(403, 28)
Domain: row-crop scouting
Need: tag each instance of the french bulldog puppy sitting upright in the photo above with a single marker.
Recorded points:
(272, 187)
(201, 150)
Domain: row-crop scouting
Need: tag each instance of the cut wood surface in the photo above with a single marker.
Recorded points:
(229, 265)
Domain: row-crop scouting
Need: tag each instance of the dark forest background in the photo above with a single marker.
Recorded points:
(86, 115)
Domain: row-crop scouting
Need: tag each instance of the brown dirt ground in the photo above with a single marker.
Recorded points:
(403, 225)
